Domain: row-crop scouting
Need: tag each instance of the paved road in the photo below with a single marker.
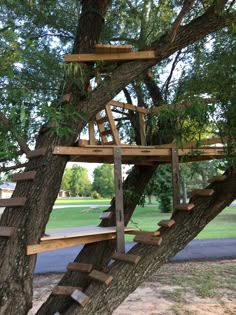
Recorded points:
(215, 249)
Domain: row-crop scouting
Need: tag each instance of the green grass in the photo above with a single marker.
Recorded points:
(145, 218)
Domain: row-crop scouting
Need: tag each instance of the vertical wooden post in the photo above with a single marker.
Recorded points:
(91, 132)
(175, 176)
(120, 235)
(142, 129)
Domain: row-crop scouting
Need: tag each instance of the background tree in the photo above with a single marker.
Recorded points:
(79, 181)
(103, 181)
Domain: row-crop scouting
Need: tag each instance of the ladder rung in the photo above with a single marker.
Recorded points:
(149, 240)
(102, 120)
(7, 231)
(202, 192)
(129, 258)
(100, 276)
(166, 223)
(74, 266)
(24, 176)
(36, 153)
(217, 179)
(106, 132)
(184, 207)
(110, 143)
(67, 290)
(106, 215)
(144, 233)
(13, 202)
(80, 297)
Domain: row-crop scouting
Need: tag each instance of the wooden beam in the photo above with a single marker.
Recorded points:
(106, 215)
(128, 258)
(144, 233)
(13, 202)
(143, 55)
(7, 231)
(119, 204)
(166, 223)
(202, 192)
(36, 153)
(184, 207)
(75, 266)
(80, 297)
(149, 240)
(142, 129)
(111, 49)
(175, 176)
(111, 121)
(92, 139)
(100, 276)
(24, 176)
(129, 107)
(101, 128)
(64, 290)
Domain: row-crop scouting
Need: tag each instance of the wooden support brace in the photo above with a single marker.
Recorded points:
(67, 290)
(217, 179)
(184, 207)
(7, 231)
(80, 297)
(202, 192)
(106, 215)
(74, 266)
(111, 121)
(24, 176)
(128, 258)
(149, 240)
(100, 276)
(36, 153)
(13, 202)
(166, 223)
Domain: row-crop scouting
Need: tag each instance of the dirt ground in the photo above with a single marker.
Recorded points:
(207, 288)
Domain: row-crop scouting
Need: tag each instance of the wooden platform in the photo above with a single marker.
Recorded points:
(76, 236)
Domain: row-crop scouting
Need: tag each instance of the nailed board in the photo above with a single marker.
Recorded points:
(128, 258)
(13, 202)
(24, 176)
(106, 215)
(80, 297)
(111, 49)
(100, 276)
(65, 290)
(202, 192)
(144, 233)
(36, 153)
(184, 207)
(166, 223)
(149, 240)
(7, 231)
(74, 266)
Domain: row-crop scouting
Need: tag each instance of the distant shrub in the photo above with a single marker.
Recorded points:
(95, 195)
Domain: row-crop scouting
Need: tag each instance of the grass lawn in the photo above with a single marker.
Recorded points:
(145, 218)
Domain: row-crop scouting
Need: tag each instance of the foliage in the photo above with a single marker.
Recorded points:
(95, 195)
(104, 180)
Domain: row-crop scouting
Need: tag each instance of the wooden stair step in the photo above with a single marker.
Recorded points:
(101, 276)
(36, 153)
(202, 192)
(106, 215)
(129, 258)
(64, 290)
(217, 179)
(74, 266)
(149, 240)
(106, 132)
(13, 202)
(80, 297)
(102, 120)
(24, 176)
(184, 207)
(7, 231)
(144, 233)
(166, 223)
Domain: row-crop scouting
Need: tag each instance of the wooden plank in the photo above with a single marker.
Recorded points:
(119, 203)
(149, 240)
(106, 132)
(202, 192)
(65, 290)
(36, 153)
(175, 176)
(144, 233)
(139, 55)
(92, 139)
(128, 258)
(114, 131)
(166, 223)
(142, 129)
(184, 207)
(24, 176)
(102, 49)
(74, 266)
(102, 120)
(101, 129)
(129, 107)
(13, 202)
(7, 231)
(217, 179)
(106, 215)
(80, 297)
(82, 142)
(100, 276)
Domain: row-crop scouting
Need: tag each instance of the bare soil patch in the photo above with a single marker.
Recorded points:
(206, 288)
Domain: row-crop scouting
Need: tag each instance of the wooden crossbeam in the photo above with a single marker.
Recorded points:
(111, 49)
(36, 153)
(217, 179)
(139, 55)
(65, 290)
(149, 240)
(128, 258)
(106, 215)
(24, 176)
(13, 202)
(100, 276)
(184, 207)
(166, 223)
(202, 192)
(7, 231)
(74, 266)
(80, 297)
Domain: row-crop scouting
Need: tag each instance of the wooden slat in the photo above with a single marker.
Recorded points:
(36, 153)
(100, 276)
(13, 202)
(128, 258)
(144, 233)
(24, 176)
(166, 223)
(202, 192)
(106, 215)
(143, 55)
(217, 179)
(114, 131)
(149, 240)
(102, 120)
(80, 297)
(7, 231)
(74, 266)
(184, 207)
(129, 107)
(106, 132)
(67, 290)
(101, 129)
(101, 48)
(91, 133)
